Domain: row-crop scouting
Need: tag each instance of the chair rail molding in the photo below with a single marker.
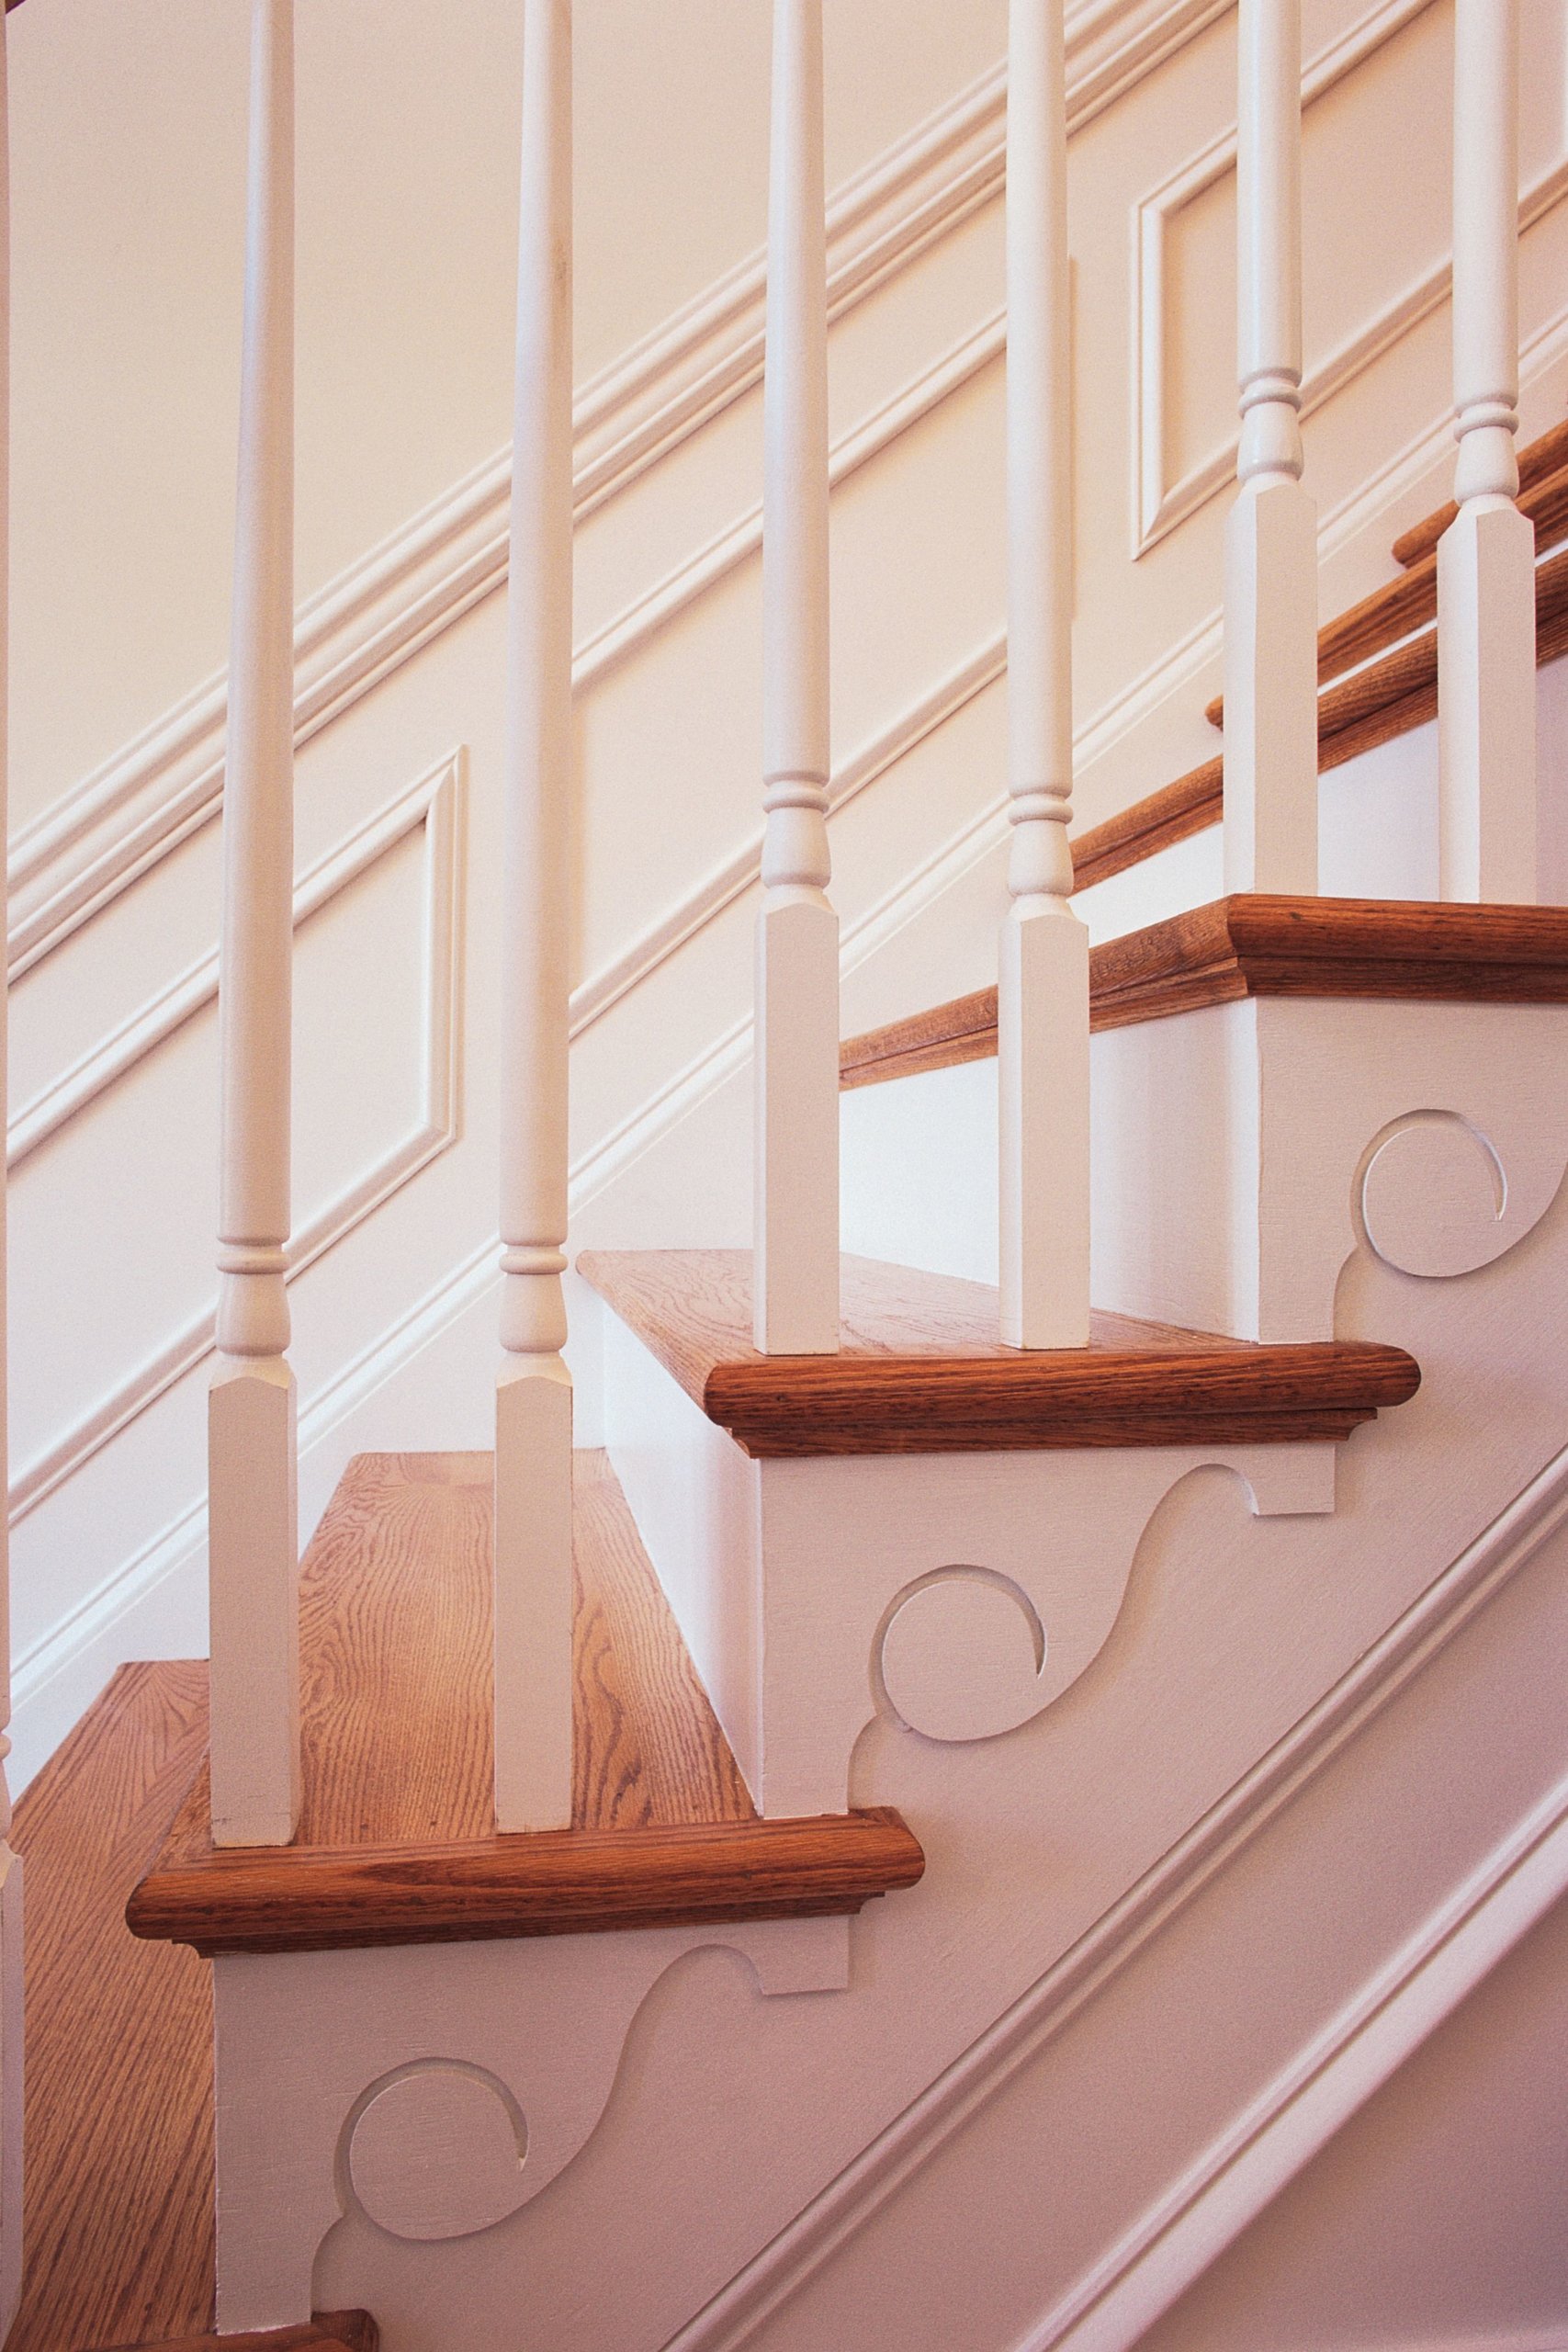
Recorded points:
(138, 807)
(1159, 504)
(432, 807)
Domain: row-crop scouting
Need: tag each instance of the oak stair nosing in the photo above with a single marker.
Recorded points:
(1413, 950)
(550, 1883)
(1135, 1385)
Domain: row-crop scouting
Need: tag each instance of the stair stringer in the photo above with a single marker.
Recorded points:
(1063, 1859)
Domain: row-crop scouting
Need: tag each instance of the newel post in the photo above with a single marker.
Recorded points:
(533, 1406)
(1486, 689)
(1043, 975)
(253, 1559)
(1270, 661)
(796, 1273)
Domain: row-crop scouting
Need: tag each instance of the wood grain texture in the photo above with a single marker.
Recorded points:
(1539, 461)
(1412, 948)
(337, 2331)
(921, 1370)
(1409, 601)
(396, 1842)
(1387, 698)
(1406, 948)
(1157, 821)
(118, 2200)
(557, 1883)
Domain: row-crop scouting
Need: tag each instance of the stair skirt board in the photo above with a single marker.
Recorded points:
(396, 1842)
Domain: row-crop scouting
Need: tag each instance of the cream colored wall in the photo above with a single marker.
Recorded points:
(126, 332)
(128, 129)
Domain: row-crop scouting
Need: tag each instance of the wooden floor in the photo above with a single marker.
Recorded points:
(396, 1842)
(118, 2127)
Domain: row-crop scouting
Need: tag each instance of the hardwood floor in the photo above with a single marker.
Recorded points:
(396, 1841)
(1261, 945)
(118, 2207)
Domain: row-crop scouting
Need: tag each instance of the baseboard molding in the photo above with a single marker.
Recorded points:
(1524, 1876)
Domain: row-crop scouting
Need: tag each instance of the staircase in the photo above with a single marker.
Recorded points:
(920, 1836)
(395, 1848)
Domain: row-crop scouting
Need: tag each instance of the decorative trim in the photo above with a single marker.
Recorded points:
(734, 2316)
(165, 784)
(1159, 506)
(433, 805)
(1386, 2019)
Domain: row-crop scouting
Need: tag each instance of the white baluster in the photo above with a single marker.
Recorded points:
(10, 1867)
(1486, 557)
(533, 1412)
(797, 1277)
(1270, 669)
(1043, 983)
(251, 1440)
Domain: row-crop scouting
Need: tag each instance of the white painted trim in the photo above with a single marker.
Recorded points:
(733, 2316)
(1159, 506)
(165, 784)
(433, 805)
(1388, 2017)
(451, 1296)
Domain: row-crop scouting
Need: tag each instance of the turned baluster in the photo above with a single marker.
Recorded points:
(1043, 977)
(254, 1566)
(1270, 663)
(533, 1414)
(10, 1867)
(1487, 830)
(797, 1270)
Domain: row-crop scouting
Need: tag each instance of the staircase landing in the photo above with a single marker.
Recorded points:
(396, 1843)
(921, 1369)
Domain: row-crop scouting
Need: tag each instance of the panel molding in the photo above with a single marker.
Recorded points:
(158, 790)
(1160, 506)
(432, 807)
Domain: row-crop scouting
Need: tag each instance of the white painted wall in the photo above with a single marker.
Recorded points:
(127, 194)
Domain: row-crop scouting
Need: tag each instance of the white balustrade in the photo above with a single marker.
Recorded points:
(1487, 718)
(532, 1413)
(251, 1413)
(796, 1273)
(1043, 977)
(1270, 663)
(10, 1867)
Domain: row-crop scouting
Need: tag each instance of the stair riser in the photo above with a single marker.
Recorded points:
(1229, 1144)
(1167, 1979)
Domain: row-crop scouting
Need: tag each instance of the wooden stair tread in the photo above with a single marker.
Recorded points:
(1413, 949)
(331, 2331)
(921, 1369)
(396, 1842)
(117, 2195)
